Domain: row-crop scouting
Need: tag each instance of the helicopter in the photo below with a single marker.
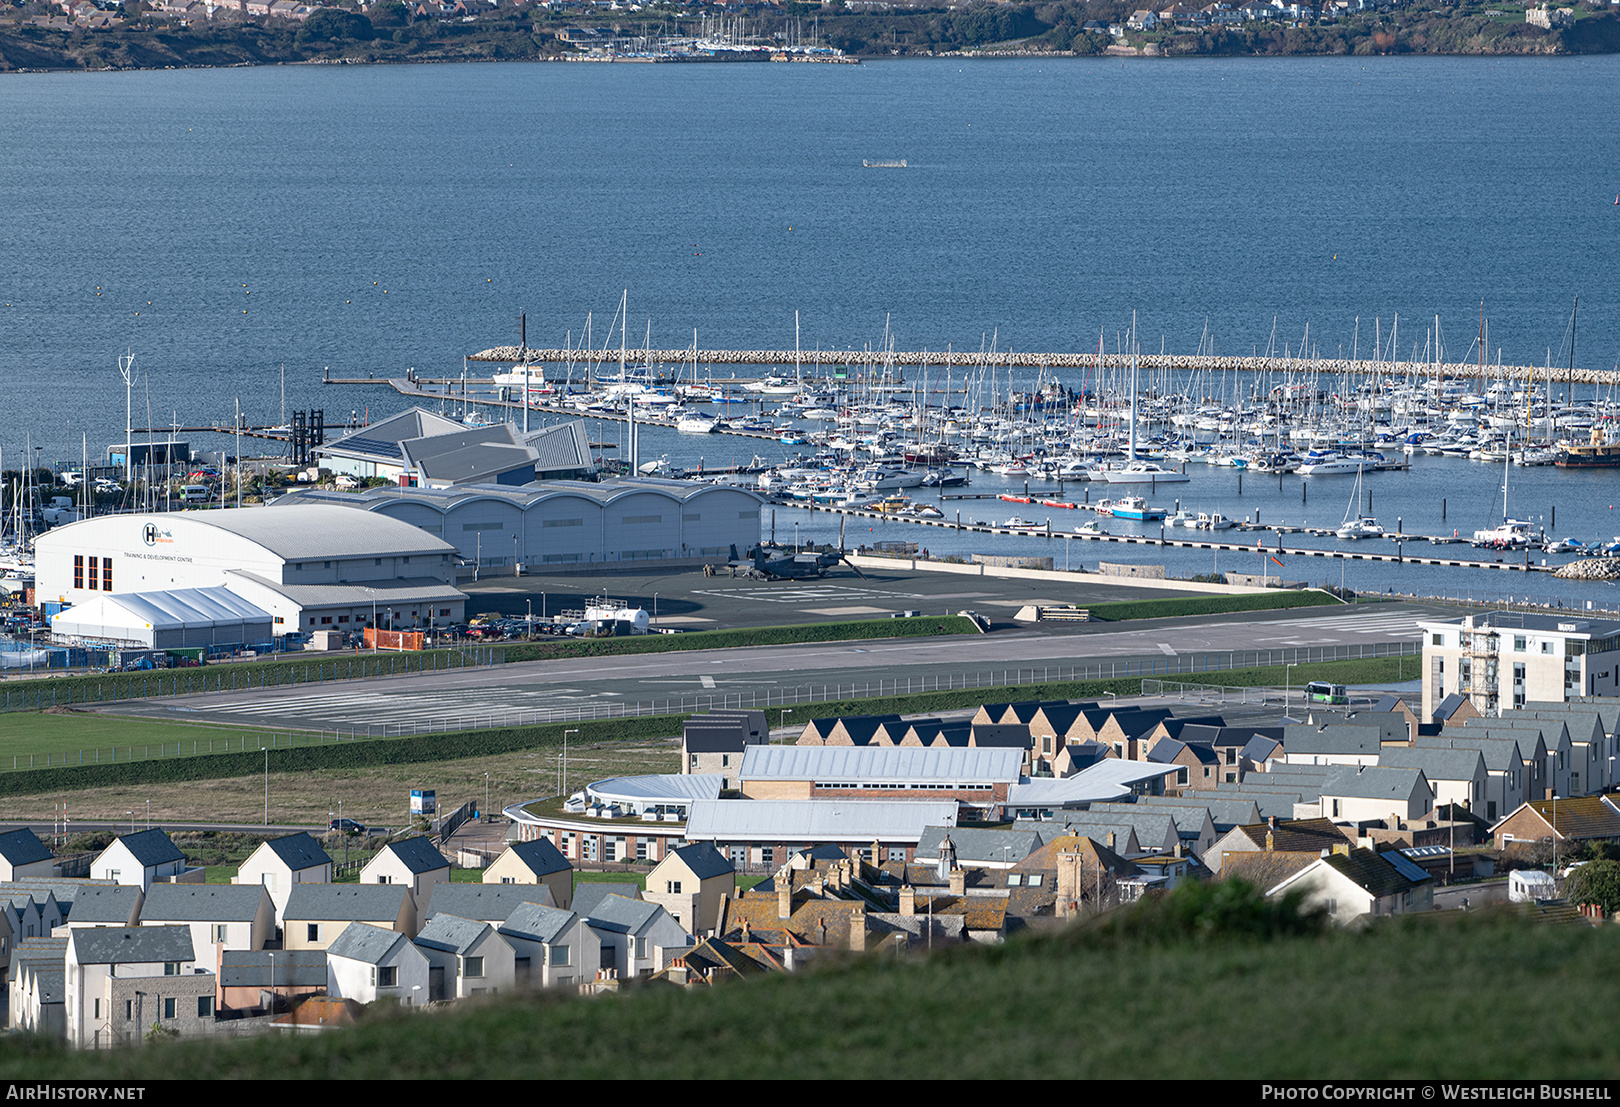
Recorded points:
(771, 563)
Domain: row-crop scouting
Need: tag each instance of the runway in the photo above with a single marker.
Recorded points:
(539, 691)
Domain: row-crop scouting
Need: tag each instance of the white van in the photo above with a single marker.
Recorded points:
(197, 493)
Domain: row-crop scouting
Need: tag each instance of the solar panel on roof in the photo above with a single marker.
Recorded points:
(373, 446)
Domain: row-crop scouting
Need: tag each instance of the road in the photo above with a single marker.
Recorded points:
(530, 691)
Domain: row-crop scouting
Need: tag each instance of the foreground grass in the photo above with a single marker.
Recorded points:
(1439, 997)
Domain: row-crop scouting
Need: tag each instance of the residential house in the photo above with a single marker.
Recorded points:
(490, 903)
(369, 964)
(465, 958)
(1504, 767)
(1354, 794)
(639, 938)
(551, 947)
(690, 884)
(106, 905)
(280, 863)
(1331, 744)
(1198, 764)
(1564, 823)
(413, 862)
(36, 988)
(318, 913)
(1357, 883)
(1455, 776)
(119, 981)
(22, 854)
(1303, 838)
(221, 916)
(535, 862)
(257, 979)
(143, 859)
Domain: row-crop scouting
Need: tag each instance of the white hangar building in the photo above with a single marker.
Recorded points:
(559, 526)
(302, 567)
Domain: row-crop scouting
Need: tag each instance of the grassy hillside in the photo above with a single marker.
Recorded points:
(1217, 990)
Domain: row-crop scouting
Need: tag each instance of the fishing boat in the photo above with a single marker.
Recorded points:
(1135, 507)
(1600, 452)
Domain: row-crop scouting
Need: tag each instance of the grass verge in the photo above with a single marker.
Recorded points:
(423, 748)
(1181, 606)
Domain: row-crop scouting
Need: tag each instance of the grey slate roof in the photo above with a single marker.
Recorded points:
(1436, 763)
(451, 933)
(364, 942)
(418, 855)
(622, 915)
(345, 902)
(490, 902)
(119, 945)
(1374, 782)
(152, 847)
(23, 847)
(105, 903)
(704, 860)
(1340, 739)
(541, 857)
(252, 968)
(538, 923)
(203, 903)
(589, 893)
(1500, 754)
(299, 851)
(977, 845)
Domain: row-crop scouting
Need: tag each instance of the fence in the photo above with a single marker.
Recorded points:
(783, 699)
(119, 687)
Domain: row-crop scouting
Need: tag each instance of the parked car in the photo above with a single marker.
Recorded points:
(346, 826)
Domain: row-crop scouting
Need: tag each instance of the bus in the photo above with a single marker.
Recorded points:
(1318, 691)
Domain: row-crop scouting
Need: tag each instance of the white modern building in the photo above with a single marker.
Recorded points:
(566, 525)
(1502, 659)
(302, 567)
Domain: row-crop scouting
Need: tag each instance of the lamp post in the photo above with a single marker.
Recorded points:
(564, 789)
(786, 711)
(655, 609)
(486, 797)
(1288, 682)
(272, 981)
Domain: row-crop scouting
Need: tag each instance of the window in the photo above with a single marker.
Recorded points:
(326, 620)
(171, 968)
(473, 967)
(129, 1009)
(1439, 639)
(725, 760)
(641, 948)
(558, 955)
(97, 1010)
(78, 570)
(168, 1007)
(1518, 643)
(221, 932)
(386, 976)
(673, 887)
(314, 934)
(106, 574)
(1015, 880)
(343, 618)
(205, 1007)
(641, 849)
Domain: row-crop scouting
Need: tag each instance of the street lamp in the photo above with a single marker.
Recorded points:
(564, 767)
(131, 815)
(486, 797)
(655, 609)
(1288, 683)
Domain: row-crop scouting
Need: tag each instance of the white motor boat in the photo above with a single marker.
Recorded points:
(1363, 527)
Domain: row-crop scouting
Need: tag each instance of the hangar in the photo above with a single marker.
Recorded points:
(557, 526)
(304, 567)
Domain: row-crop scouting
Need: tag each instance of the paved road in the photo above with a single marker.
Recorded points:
(516, 693)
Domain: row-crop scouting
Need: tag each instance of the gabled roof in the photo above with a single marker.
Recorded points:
(1295, 835)
(345, 902)
(1437, 763)
(489, 902)
(540, 856)
(1370, 872)
(217, 903)
(370, 944)
(1374, 782)
(253, 968)
(299, 851)
(122, 945)
(704, 860)
(23, 847)
(974, 845)
(1577, 817)
(418, 855)
(104, 903)
(591, 892)
(538, 923)
(451, 933)
(621, 915)
(151, 848)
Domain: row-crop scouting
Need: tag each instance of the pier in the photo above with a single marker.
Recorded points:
(1399, 557)
(935, 359)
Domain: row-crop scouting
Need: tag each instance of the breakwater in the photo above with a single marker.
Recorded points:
(880, 359)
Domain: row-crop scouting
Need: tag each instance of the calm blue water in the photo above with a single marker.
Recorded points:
(222, 224)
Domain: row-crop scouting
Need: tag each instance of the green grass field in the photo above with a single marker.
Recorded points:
(1431, 997)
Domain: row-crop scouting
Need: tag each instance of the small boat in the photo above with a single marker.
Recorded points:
(1135, 507)
(1024, 526)
(1364, 527)
(1092, 527)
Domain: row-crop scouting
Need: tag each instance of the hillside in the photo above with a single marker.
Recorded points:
(1436, 996)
